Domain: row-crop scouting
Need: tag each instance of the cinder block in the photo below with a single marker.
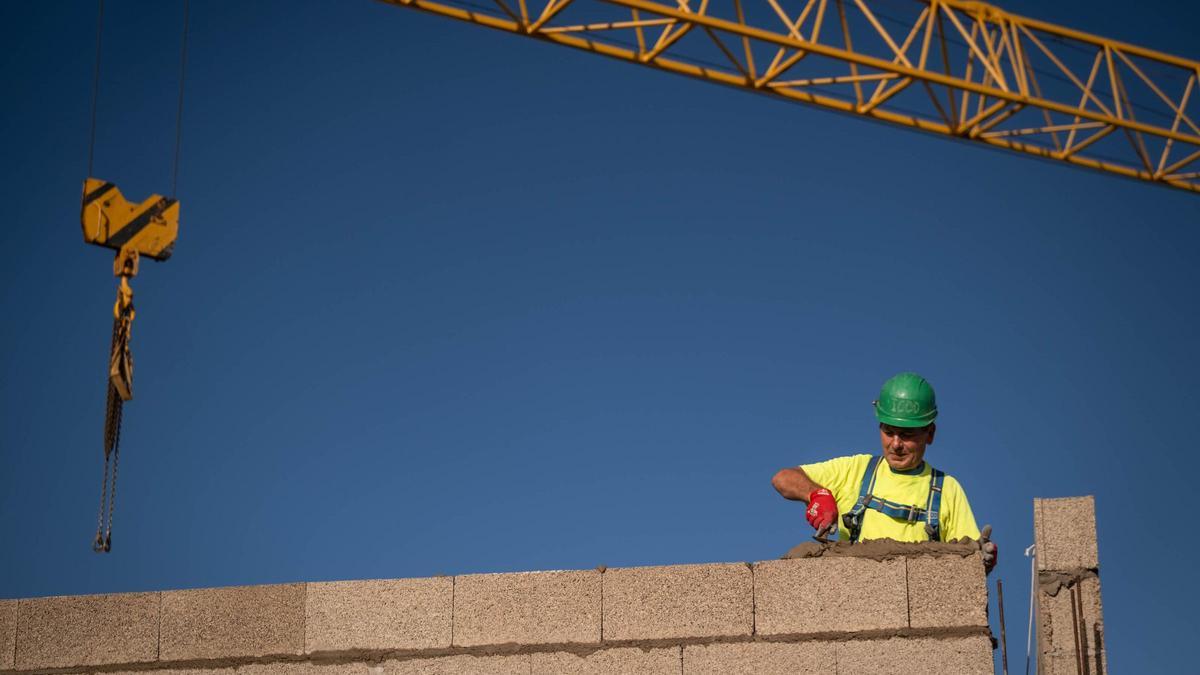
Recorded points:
(295, 668)
(278, 668)
(760, 658)
(384, 614)
(971, 655)
(271, 668)
(662, 661)
(87, 630)
(1056, 621)
(1065, 533)
(1055, 609)
(821, 595)
(171, 670)
(460, 665)
(288, 668)
(680, 601)
(227, 670)
(1062, 664)
(1066, 664)
(8, 634)
(246, 621)
(946, 591)
(527, 608)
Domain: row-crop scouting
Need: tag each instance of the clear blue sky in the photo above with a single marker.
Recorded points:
(450, 301)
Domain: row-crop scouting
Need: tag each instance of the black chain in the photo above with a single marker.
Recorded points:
(112, 409)
(112, 496)
(112, 449)
(98, 542)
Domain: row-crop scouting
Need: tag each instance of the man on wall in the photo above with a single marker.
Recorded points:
(901, 497)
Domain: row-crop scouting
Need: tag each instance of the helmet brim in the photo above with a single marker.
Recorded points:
(908, 423)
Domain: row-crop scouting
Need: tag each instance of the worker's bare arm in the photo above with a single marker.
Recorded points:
(793, 483)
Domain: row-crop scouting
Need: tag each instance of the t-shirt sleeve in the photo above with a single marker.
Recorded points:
(957, 519)
(840, 475)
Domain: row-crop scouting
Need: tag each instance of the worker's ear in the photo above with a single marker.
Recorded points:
(932, 431)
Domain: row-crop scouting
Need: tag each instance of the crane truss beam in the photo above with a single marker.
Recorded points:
(950, 67)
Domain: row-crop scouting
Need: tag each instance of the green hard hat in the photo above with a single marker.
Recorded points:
(906, 400)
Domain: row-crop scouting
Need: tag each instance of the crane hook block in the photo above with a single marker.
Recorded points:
(150, 228)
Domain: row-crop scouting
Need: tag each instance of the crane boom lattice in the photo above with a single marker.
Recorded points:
(963, 69)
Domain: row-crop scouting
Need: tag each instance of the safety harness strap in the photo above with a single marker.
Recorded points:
(853, 520)
(895, 509)
(930, 514)
(933, 525)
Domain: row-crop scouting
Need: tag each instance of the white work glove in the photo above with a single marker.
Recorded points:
(988, 548)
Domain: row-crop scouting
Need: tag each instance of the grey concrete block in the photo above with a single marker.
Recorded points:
(1057, 629)
(384, 614)
(946, 591)
(661, 661)
(527, 608)
(245, 621)
(819, 595)
(1065, 533)
(301, 668)
(282, 668)
(460, 665)
(681, 601)
(1067, 664)
(8, 634)
(87, 630)
(760, 658)
(970, 655)
(174, 670)
(1062, 664)
(270, 668)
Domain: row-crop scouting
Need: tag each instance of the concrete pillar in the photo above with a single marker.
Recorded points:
(1070, 618)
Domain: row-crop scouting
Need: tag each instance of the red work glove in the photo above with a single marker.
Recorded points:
(822, 511)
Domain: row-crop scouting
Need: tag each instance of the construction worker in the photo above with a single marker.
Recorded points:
(902, 497)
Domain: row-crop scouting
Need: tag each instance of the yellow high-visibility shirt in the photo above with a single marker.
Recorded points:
(843, 477)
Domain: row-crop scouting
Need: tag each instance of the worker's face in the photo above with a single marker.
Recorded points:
(904, 448)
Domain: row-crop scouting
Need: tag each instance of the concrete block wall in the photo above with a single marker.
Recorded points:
(916, 610)
(1070, 615)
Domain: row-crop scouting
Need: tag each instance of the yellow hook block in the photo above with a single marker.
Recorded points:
(148, 228)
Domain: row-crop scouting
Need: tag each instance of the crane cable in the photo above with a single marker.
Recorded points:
(120, 380)
(95, 86)
(179, 109)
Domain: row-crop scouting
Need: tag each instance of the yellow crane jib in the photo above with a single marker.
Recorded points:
(956, 68)
(148, 228)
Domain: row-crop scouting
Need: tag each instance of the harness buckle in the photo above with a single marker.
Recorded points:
(912, 515)
(853, 522)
